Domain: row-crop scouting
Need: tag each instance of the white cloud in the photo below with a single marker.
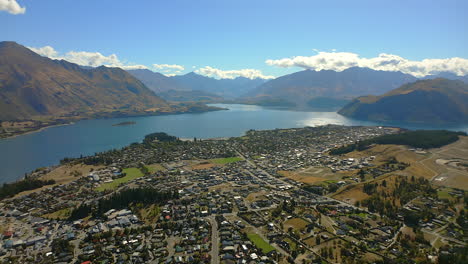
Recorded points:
(231, 74)
(170, 74)
(46, 51)
(168, 67)
(86, 58)
(12, 7)
(339, 61)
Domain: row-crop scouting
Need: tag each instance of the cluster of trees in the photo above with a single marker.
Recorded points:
(101, 158)
(60, 245)
(10, 189)
(455, 255)
(360, 145)
(287, 206)
(123, 199)
(385, 203)
(370, 188)
(157, 148)
(326, 252)
(159, 136)
(419, 139)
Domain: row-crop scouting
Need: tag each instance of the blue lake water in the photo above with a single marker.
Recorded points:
(25, 153)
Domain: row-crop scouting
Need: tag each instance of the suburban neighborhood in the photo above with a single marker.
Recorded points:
(275, 196)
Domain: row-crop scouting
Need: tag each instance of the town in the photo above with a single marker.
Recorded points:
(275, 196)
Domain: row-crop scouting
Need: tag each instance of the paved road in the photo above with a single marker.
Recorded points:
(214, 240)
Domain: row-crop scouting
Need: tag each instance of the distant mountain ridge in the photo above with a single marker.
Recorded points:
(156, 81)
(190, 96)
(301, 87)
(425, 101)
(225, 88)
(32, 86)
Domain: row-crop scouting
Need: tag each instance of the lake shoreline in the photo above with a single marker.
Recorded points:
(42, 127)
(22, 155)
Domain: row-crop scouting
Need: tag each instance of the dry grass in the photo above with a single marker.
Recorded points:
(453, 179)
(252, 197)
(295, 223)
(355, 193)
(408, 231)
(425, 165)
(352, 195)
(13, 124)
(60, 214)
(369, 257)
(221, 187)
(203, 166)
(155, 167)
(301, 177)
(63, 175)
(150, 214)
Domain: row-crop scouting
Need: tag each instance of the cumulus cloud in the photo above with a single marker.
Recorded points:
(339, 61)
(86, 58)
(231, 74)
(12, 7)
(46, 51)
(168, 67)
(170, 74)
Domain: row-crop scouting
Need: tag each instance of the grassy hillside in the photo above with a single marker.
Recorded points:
(426, 101)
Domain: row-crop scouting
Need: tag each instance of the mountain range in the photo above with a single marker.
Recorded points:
(211, 87)
(308, 88)
(324, 90)
(424, 101)
(33, 86)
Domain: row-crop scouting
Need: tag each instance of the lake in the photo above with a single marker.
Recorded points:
(25, 153)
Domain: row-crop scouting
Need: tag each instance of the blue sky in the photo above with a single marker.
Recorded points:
(236, 35)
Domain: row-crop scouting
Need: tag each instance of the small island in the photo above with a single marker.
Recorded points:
(128, 123)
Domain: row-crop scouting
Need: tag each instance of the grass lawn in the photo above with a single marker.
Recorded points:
(155, 167)
(60, 214)
(131, 174)
(292, 244)
(444, 194)
(260, 243)
(226, 160)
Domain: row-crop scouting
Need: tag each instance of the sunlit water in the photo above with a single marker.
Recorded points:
(22, 154)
